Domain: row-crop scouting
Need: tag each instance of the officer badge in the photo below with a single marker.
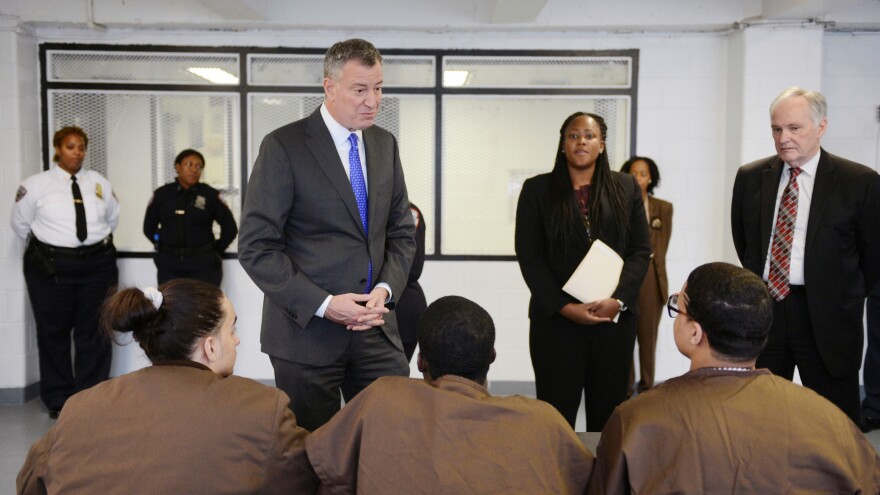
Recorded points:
(20, 193)
(200, 202)
(99, 192)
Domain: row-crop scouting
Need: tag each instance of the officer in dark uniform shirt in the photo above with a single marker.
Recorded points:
(180, 223)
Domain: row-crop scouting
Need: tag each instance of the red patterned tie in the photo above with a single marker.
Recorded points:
(780, 254)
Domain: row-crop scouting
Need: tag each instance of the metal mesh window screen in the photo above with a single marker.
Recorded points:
(308, 70)
(491, 142)
(537, 72)
(142, 67)
(491, 145)
(409, 117)
(135, 136)
(411, 71)
(285, 70)
(269, 111)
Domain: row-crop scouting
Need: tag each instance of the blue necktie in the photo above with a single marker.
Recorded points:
(359, 186)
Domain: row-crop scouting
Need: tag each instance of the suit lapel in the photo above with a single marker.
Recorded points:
(609, 223)
(654, 212)
(375, 159)
(321, 145)
(769, 188)
(823, 185)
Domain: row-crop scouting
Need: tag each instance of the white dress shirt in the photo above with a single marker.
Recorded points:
(805, 182)
(343, 146)
(44, 206)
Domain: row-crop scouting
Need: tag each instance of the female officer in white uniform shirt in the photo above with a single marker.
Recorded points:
(67, 216)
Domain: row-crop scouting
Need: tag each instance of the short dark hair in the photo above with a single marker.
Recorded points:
(652, 168)
(456, 337)
(189, 311)
(187, 152)
(355, 49)
(62, 133)
(734, 308)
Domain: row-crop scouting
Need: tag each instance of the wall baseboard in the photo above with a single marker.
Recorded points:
(20, 395)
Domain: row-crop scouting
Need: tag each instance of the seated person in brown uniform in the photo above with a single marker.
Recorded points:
(183, 425)
(446, 433)
(725, 427)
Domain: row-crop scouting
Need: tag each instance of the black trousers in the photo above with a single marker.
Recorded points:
(871, 404)
(791, 344)
(592, 361)
(315, 390)
(68, 302)
(206, 267)
(410, 306)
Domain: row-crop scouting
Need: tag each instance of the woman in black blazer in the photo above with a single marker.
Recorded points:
(579, 347)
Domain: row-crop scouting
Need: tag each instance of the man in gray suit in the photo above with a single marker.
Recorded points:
(327, 235)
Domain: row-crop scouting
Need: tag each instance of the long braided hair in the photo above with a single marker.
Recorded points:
(564, 208)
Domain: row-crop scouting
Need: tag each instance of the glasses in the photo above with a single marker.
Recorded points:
(672, 306)
(192, 165)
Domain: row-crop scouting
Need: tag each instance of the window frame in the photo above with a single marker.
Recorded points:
(244, 88)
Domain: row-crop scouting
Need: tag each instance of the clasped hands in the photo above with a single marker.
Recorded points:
(601, 311)
(358, 312)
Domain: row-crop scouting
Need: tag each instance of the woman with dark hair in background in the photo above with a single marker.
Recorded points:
(655, 288)
(183, 425)
(180, 224)
(581, 348)
(67, 216)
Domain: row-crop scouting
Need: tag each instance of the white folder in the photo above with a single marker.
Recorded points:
(597, 276)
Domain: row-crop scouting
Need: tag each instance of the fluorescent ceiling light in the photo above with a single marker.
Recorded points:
(214, 74)
(455, 77)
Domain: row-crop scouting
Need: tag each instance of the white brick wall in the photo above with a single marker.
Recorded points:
(19, 143)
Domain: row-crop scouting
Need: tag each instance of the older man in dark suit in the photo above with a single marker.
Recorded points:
(807, 222)
(327, 235)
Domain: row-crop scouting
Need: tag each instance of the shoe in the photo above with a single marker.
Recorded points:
(869, 423)
(53, 413)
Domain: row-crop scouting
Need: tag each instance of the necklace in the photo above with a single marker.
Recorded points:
(732, 369)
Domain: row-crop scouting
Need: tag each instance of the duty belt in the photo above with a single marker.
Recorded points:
(83, 252)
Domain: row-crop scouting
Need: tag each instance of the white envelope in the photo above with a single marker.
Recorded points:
(597, 275)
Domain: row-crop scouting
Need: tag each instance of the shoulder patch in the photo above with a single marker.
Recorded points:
(20, 193)
(99, 191)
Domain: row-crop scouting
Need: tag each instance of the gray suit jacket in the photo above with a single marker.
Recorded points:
(301, 237)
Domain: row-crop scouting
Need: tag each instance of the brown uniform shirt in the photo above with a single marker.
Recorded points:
(171, 429)
(403, 435)
(715, 431)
